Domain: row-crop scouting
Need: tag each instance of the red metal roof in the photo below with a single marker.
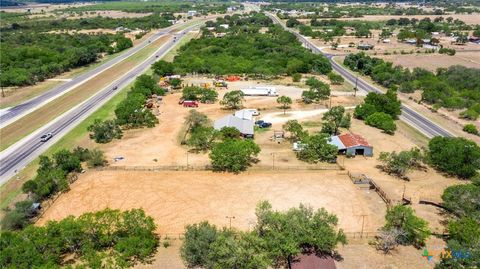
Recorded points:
(353, 140)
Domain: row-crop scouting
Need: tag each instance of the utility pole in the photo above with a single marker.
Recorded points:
(273, 160)
(230, 218)
(363, 223)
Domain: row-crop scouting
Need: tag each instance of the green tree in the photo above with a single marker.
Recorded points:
(287, 234)
(295, 129)
(401, 163)
(463, 200)
(414, 229)
(104, 131)
(296, 77)
(230, 133)
(318, 91)
(454, 155)
(201, 138)
(382, 121)
(233, 155)
(67, 161)
(315, 148)
(232, 99)
(163, 68)
(237, 250)
(292, 23)
(335, 118)
(197, 243)
(285, 101)
(18, 217)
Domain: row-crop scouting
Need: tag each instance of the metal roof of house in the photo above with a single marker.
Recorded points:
(348, 140)
(244, 114)
(244, 126)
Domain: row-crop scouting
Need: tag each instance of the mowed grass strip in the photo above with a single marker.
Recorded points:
(29, 123)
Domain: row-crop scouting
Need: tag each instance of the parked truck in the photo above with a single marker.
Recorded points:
(260, 91)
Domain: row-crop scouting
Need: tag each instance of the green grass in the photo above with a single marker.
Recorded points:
(311, 124)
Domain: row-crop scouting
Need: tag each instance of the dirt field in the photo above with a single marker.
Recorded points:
(176, 199)
(467, 18)
(433, 61)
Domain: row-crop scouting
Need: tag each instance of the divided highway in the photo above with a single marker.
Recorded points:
(11, 114)
(411, 117)
(23, 152)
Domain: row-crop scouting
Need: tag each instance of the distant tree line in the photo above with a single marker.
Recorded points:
(276, 52)
(456, 87)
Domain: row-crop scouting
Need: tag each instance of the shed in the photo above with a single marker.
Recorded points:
(351, 144)
(365, 46)
(244, 126)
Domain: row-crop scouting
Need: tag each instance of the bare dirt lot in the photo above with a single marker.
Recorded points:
(176, 199)
(467, 18)
(433, 61)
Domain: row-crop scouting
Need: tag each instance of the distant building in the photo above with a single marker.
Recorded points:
(351, 144)
(226, 26)
(244, 126)
(192, 13)
(365, 46)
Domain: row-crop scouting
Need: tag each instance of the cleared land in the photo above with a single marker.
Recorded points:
(467, 18)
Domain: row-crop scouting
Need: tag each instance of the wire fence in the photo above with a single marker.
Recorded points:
(158, 168)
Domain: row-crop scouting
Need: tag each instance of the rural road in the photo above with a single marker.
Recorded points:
(9, 115)
(17, 156)
(411, 117)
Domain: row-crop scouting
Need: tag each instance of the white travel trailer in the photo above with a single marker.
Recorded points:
(260, 91)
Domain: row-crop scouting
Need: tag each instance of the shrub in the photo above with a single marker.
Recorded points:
(401, 163)
(414, 230)
(96, 158)
(471, 129)
(105, 131)
(335, 78)
(382, 121)
(296, 77)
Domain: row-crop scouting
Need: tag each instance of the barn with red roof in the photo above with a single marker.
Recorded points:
(351, 144)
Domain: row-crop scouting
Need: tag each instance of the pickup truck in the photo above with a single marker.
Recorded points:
(263, 124)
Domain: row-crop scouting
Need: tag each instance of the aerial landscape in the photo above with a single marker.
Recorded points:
(240, 134)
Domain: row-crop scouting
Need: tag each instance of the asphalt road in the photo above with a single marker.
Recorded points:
(11, 114)
(20, 154)
(410, 116)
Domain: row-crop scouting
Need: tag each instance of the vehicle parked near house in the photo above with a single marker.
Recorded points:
(188, 103)
(263, 124)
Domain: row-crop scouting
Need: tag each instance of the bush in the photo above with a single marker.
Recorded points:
(382, 121)
(96, 158)
(233, 155)
(335, 78)
(454, 155)
(447, 51)
(105, 131)
(19, 217)
(296, 77)
(471, 129)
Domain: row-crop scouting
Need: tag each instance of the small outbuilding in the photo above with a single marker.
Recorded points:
(244, 126)
(351, 144)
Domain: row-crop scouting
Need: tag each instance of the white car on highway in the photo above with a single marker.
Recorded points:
(46, 137)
